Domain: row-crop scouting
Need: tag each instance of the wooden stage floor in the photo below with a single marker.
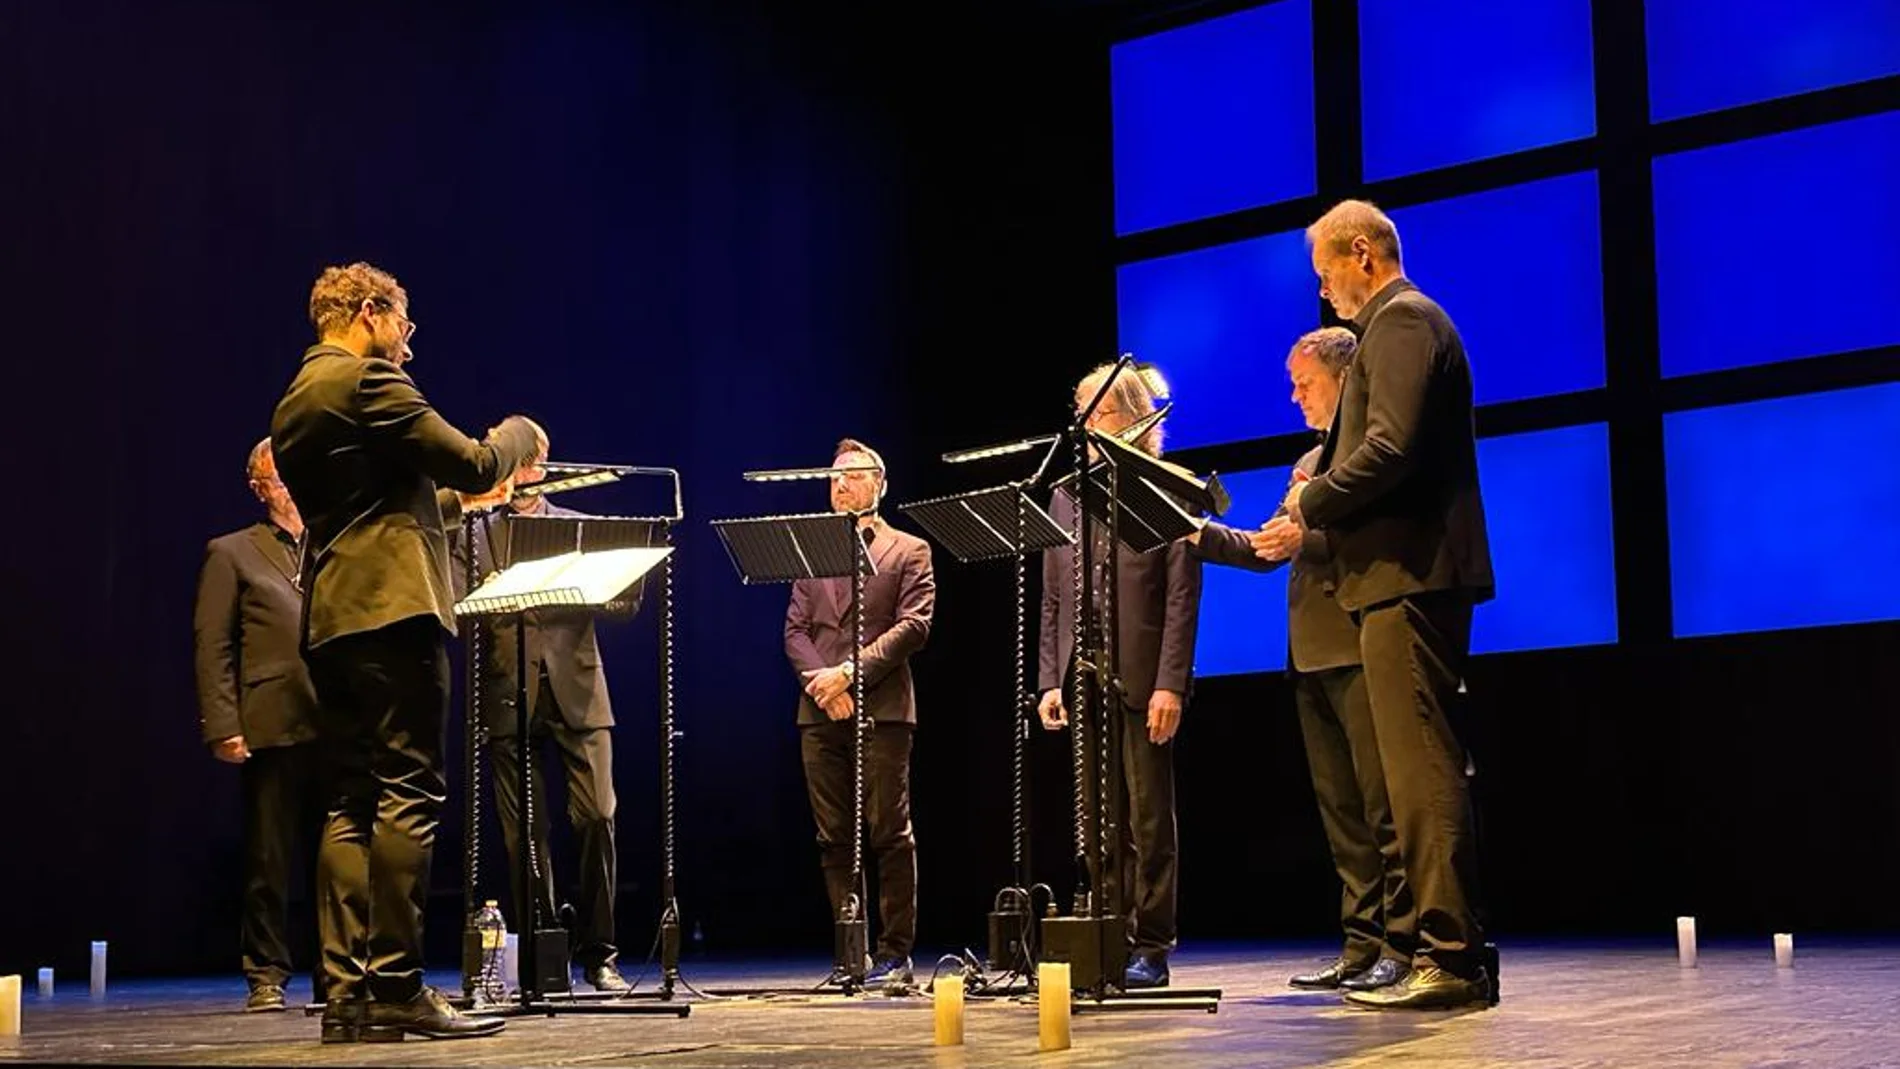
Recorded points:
(1565, 1005)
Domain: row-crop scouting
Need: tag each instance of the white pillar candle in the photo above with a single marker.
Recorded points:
(1052, 1004)
(98, 966)
(46, 982)
(946, 996)
(1685, 942)
(9, 1005)
(1784, 950)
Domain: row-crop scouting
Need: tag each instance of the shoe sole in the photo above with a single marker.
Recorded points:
(279, 1008)
(384, 1033)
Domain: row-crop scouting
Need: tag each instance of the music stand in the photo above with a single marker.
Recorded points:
(530, 541)
(784, 549)
(985, 525)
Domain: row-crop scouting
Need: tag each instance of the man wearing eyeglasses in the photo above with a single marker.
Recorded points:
(898, 603)
(363, 452)
(255, 704)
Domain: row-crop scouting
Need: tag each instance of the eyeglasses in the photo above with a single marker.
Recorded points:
(384, 304)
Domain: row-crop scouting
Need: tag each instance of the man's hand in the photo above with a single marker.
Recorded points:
(231, 750)
(839, 707)
(1292, 502)
(1278, 540)
(492, 499)
(1050, 710)
(1164, 716)
(824, 684)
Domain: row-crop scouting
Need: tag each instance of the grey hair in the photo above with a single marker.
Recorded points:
(1136, 392)
(1333, 347)
(1351, 219)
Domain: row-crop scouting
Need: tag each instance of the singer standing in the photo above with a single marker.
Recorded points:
(258, 710)
(362, 452)
(899, 602)
(1158, 602)
(1397, 500)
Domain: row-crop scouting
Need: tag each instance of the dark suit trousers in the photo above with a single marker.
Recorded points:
(826, 750)
(1415, 650)
(588, 758)
(382, 700)
(1145, 886)
(283, 817)
(1342, 751)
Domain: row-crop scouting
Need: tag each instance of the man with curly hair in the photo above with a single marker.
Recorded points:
(363, 453)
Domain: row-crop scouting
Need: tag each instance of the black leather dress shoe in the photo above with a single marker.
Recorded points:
(1328, 978)
(1385, 973)
(1427, 988)
(607, 978)
(428, 1015)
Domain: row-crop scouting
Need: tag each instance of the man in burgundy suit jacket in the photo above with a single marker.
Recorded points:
(898, 602)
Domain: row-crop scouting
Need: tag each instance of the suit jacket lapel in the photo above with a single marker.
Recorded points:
(281, 557)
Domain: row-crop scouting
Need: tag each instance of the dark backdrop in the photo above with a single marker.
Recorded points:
(719, 236)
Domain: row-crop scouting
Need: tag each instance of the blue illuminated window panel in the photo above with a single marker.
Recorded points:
(1529, 333)
(1547, 511)
(1214, 117)
(1450, 81)
(1782, 513)
(1747, 264)
(1219, 323)
(1705, 55)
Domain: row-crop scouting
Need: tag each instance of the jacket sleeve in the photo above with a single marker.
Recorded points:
(916, 604)
(1221, 544)
(215, 626)
(1398, 359)
(1054, 577)
(1181, 621)
(398, 415)
(799, 647)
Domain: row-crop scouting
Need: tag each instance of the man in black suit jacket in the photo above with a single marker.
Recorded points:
(1329, 690)
(1158, 601)
(1397, 498)
(362, 453)
(898, 603)
(256, 708)
(568, 705)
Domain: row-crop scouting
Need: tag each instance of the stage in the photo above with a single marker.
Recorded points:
(1570, 1004)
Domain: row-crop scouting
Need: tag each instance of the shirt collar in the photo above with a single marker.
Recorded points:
(1380, 300)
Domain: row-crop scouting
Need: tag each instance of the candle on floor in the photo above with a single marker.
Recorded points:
(46, 981)
(98, 966)
(1052, 1004)
(946, 995)
(1685, 942)
(1784, 950)
(9, 1005)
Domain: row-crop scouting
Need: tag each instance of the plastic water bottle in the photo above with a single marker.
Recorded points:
(494, 931)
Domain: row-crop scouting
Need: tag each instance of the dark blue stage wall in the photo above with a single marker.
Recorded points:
(677, 234)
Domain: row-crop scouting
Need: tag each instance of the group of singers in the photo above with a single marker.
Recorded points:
(323, 670)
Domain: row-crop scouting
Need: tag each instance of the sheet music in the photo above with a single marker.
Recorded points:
(572, 578)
